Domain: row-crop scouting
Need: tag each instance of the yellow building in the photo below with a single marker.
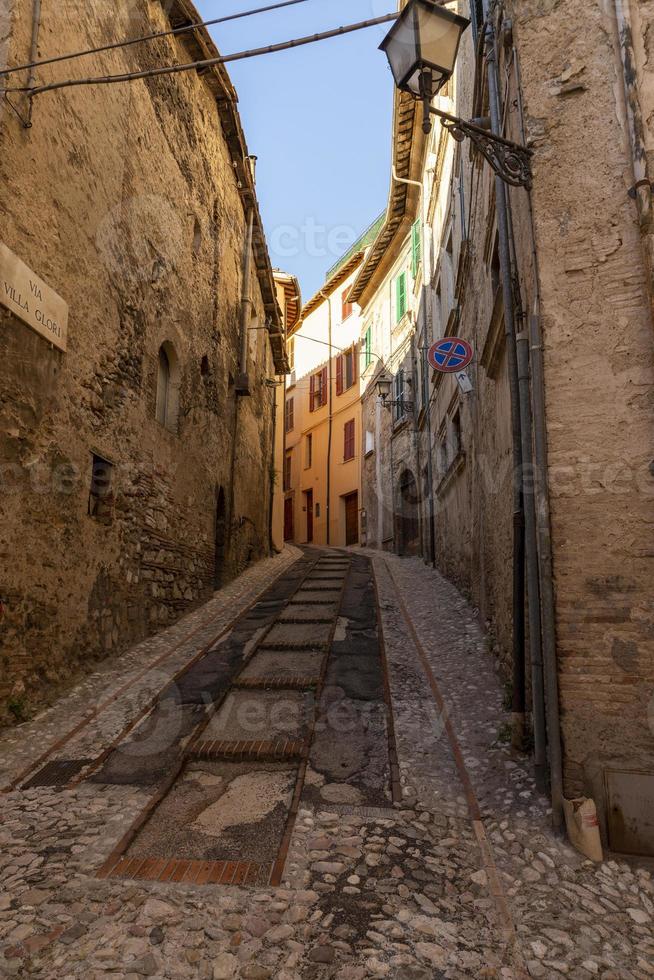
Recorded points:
(322, 418)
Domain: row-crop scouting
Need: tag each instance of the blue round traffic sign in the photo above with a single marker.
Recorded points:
(450, 355)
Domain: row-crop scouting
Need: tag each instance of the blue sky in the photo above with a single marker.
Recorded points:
(319, 120)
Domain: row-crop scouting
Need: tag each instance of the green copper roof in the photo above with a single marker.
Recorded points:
(366, 239)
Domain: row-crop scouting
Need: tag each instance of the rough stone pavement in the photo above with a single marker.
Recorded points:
(407, 892)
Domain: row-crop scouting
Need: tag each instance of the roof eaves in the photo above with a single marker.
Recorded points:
(181, 12)
(339, 277)
(409, 146)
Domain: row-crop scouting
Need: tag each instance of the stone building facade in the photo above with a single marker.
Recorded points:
(576, 88)
(137, 463)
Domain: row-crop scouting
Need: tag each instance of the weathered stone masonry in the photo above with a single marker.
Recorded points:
(131, 202)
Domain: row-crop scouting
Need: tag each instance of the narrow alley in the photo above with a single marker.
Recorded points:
(306, 777)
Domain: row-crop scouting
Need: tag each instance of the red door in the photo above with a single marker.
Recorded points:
(309, 499)
(288, 519)
(352, 519)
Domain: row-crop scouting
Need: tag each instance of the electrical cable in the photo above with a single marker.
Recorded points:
(187, 28)
(206, 63)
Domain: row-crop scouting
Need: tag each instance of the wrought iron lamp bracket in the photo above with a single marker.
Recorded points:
(510, 161)
(388, 403)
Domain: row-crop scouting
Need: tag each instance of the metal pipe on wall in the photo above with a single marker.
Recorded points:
(330, 423)
(246, 298)
(543, 516)
(540, 751)
(642, 189)
(427, 325)
(34, 53)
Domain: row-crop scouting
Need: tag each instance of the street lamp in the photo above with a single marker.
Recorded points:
(384, 387)
(422, 48)
(424, 40)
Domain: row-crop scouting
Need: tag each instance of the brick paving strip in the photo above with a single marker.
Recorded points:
(119, 865)
(210, 615)
(504, 917)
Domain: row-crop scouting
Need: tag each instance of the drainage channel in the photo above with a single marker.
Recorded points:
(229, 747)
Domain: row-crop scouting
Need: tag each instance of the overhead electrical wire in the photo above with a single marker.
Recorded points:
(206, 63)
(175, 31)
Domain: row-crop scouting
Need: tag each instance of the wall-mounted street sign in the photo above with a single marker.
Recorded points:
(464, 382)
(30, 299)
(450, 355)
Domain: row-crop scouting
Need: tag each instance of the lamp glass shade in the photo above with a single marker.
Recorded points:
(384, 387)
(425, 37)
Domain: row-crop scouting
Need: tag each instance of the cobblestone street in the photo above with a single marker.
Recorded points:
(414, 844)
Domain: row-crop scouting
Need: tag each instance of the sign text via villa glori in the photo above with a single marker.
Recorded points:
(29, 298)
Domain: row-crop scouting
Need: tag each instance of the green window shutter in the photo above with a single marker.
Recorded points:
(400, 296)
(368, 347)
(416, 248)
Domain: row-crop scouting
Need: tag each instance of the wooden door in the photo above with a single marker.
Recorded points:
(309, 498)
(352, 519)
(289, 531)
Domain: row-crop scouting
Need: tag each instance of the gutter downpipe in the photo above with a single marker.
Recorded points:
(642, 189)
(246, 303)
(246, 299)
(426, 312)
(543, 518)
(540, 749)
(273, 472)
(331, 417)
(34, 53)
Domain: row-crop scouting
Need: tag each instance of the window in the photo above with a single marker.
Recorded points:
(477, 16)
(367, 348)
(370, 442)
(348, 447)
(442, 453)
(455, 437)
(424, 372)
(347, 308)
(288, 459)
(167, 404)
(163, 386)
(399, 395)
(346, 373)
(416, 248)
(400, 297)
(308, 452)
(495, 268)
(289, 414)
(290, 349)
(101, 498)
(318, 390)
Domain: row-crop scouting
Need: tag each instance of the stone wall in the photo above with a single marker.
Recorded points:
(581, 270)
(126, 201)
(598, 342)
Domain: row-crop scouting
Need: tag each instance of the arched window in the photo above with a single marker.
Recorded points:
(167, 409)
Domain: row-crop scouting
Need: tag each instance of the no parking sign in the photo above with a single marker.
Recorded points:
(450, 355)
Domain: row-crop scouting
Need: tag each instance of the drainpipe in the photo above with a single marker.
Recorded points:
(271, 514)
(34, 54)
(426, 312)
(642, 189)
(331, 418)
(543, 517)
(243, 383)
(540, 749)
(241, 386)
